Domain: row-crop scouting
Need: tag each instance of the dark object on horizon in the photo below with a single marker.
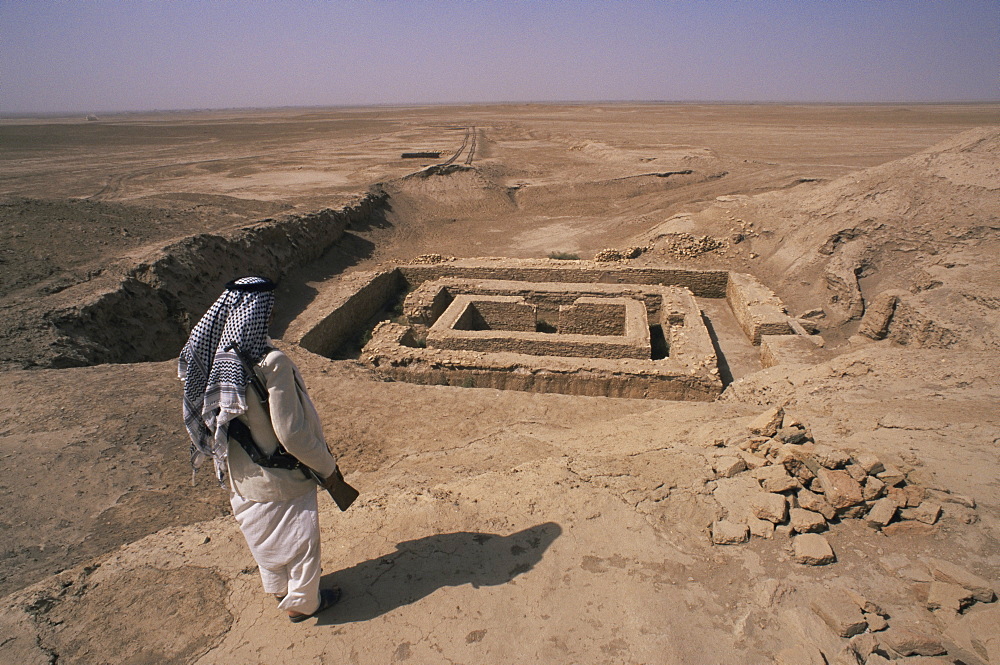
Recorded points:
(420, 155)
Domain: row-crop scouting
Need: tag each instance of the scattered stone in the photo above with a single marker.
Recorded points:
(911, 642)
(831, 457)
(806, 521)
(863, 603)
(840, 490)
(875, 622)
(876, 659)
(783, 530)
(770, 507)
(878, 315)
(856, 472)
(864, 645)
(927, 512)
(839, 611)
(854, 512)
(872, 489)
(945, 571)
(774, 478)
(816, 503)
(729, 533)
(897, 495)
(727, 466)
(803, 654)
(792, 435)
(813, 549)
(869, 463)
(815, 313)
(760, 528)
(768, 423)
(881, 513)
(891, 476)
(753, 461)
(947, 596)
(944, 496)
(975, 637)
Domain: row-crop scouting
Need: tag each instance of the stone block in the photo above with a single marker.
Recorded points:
(793, 435)
(914, 495)
(816, 503)
(946, 596)
(775, 478)
(831, 457)
(909, 528)
(872, 489)
(856, 472)
(840, 490)
(975, 636)
(813, 549)
(727, 466)
(927, 512)
(912, 641)
(768, 423)
(768, 506)
(839, 611)
(760, 528)
(946, 571)
(864, 645)
(881, 513)
(869, 462)
(891, 476)
(729, 533)
(875, 622)
(876, 659)
(806, 521)
(753, 461)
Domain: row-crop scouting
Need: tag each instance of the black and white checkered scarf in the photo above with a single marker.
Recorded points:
(215, 382)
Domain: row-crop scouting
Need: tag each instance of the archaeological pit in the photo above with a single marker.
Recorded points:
(579, 328)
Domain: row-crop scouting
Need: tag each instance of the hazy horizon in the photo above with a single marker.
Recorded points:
(110, 57)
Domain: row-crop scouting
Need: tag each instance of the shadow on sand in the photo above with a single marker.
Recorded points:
(420, 567)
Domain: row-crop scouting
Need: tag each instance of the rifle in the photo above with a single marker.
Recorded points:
(338, 489)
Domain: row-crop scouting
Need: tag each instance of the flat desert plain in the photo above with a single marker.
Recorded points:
(838, 502)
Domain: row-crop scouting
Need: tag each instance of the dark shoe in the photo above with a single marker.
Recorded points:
(327, 599)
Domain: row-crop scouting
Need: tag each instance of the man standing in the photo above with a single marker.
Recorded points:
(274, 503)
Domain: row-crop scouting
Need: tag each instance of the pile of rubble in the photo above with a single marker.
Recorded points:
(777, 479)
(876, 638)
(685, 244)
(609, 255)
(432, 258)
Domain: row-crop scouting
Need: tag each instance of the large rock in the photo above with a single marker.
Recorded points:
(813, 549)
(728, 466)
(839, 611)
(975, 637)
(946, 571)
(841, 491)
(927, 512)
(872, 489)
(803, 654)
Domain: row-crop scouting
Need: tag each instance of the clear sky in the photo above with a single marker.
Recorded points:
(121, 55)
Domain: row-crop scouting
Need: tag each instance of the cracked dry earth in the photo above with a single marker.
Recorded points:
(499, 526)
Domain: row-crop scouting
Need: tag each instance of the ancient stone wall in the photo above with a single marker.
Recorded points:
(703, 283)
(592, 316)
(756, 308)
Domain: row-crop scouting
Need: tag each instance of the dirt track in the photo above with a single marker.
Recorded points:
(587, 515)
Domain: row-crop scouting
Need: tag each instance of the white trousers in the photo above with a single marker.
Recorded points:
(284, 539)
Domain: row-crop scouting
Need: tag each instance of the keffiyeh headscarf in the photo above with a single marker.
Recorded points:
(215, 381)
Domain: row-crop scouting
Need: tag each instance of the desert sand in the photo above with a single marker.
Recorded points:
(502, 526)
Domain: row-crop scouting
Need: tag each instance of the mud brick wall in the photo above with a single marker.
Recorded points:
(364, 296)
(756, 308)
(688, 338)
(593, 316)
(426, 303)
(514, 315)
(703, 283)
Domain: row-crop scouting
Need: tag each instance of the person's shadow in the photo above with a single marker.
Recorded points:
(419, 567)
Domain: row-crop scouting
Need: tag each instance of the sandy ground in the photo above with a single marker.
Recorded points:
(500, 526)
